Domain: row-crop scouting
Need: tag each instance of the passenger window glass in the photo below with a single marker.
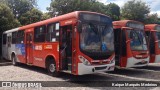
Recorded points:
(39, 34)
(52, 32)
(4, 38)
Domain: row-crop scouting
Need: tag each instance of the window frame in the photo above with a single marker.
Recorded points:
(14, 37)
(4, 39)
(39, 33)
(21, 37)
(50, 34)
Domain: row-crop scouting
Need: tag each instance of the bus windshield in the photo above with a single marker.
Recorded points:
(97, 38)
(158, 38)
(138, 40)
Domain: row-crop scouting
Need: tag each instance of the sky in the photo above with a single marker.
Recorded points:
(154, 4)
(43, 4)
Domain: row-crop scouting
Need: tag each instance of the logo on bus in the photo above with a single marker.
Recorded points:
(38, 47)
(48, 47)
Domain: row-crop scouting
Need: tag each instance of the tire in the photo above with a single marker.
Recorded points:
(51, 68)
(14, 60)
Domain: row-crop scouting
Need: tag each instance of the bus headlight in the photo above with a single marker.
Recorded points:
(84, 60)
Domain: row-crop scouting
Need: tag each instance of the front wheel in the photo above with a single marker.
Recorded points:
(51, 68)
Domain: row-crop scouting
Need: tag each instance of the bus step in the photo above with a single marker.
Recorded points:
(66, 71)
(69, 64)
(69, 59)
(29, 64)
(69, 67)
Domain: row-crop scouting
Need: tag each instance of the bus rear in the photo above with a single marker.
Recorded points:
(130, 44)
(153, 35)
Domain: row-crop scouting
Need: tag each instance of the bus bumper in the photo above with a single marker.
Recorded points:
(133, 62)
(84, 69)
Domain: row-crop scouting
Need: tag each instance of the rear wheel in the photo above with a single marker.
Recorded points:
(51, 68)
(14, 60)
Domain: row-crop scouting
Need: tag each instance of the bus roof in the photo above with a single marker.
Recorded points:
(12, 30)
(123, 23)
(56, 19)
(150, 27)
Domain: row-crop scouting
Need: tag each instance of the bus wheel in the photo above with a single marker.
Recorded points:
(51, 68)
(14, 60)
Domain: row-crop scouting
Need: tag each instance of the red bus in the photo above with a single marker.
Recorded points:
(78, 43)
(153, 35)
(131, 48)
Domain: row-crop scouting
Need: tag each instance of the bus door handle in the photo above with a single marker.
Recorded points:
(74, 50)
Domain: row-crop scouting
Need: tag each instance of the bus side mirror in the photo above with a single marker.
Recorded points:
(128, 41)
(79, 26)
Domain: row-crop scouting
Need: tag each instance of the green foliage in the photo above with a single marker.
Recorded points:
(113, 10)
(20, 7)
(31, 16)
(7, 20)
(152, 19)
(66, 6)
(135, 10)
(45, 16)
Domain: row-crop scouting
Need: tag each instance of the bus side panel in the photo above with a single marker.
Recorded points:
(20, 52)
(4, 51)
(41, 51)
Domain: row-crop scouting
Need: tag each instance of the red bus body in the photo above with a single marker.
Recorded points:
(37, 53)
(125, 54)
(152, 33)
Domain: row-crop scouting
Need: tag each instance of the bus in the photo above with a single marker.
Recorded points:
(153, 35)
(78, 43)
(131, 48)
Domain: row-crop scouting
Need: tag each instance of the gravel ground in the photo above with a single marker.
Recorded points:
(30, 73)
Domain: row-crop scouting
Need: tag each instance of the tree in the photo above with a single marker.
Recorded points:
(7, 20)
(158, 21)
(135, 10)
(113, 10)
(45, 16)
(66, 6)
(32, 16)
(152, 19)
(20, 7)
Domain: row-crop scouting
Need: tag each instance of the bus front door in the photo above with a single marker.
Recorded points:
(29, 48)
(66, 48)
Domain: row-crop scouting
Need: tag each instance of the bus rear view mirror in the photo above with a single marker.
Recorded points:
(128, 41)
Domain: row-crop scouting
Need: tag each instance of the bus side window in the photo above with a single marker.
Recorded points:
(14, 37)
(39, 33)
(152, 44)
(52, 32)
(29, 37)
(117, 43)
(123, 48)
(148, 35)
(4, 39)
(20, 36)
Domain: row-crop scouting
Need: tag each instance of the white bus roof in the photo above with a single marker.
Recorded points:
(12, 30)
